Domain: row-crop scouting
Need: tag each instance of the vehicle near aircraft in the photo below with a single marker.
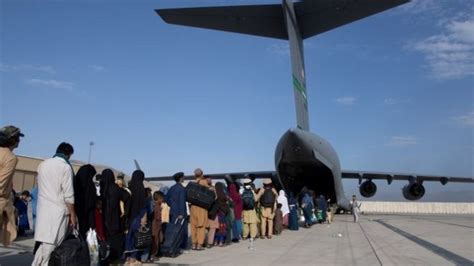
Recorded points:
(302, 159)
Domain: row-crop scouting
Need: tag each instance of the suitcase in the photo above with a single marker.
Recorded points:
(173, 237)
(199, 195)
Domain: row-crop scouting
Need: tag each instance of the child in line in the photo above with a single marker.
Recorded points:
(156, 231)
(278, 220)
(222, 230)
(328, 215)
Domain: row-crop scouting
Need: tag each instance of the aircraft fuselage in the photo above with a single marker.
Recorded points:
(304, 159)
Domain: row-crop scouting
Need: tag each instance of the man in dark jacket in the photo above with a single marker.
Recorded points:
(176, 199)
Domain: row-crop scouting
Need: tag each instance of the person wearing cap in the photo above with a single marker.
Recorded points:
(176, 200)
(55, 202)
(249, 215)
(9, 140)
(198, 216)
(267, 198)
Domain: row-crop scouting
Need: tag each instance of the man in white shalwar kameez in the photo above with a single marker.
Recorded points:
(55, 208)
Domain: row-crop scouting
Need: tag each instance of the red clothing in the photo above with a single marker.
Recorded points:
(235, 196)
(99, 225)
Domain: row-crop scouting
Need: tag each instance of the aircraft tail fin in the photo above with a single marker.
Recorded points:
(137, 166)
(288, 21)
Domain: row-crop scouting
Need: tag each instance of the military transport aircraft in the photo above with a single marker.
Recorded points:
(301, 157)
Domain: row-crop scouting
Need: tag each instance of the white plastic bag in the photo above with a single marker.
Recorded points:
(93, 245)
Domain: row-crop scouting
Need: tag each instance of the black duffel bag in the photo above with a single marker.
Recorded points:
(199, 195)
(143, 238)
(73, 251)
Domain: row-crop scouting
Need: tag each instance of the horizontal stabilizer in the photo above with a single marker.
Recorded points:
(261, 20)
(318, 16)
(313, 16)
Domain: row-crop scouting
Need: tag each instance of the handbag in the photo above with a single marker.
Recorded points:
(143, 238)
(72, 251)
(104, 250)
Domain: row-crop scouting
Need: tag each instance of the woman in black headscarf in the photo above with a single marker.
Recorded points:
(138, 193)
(85, 198)
(222, 212)
(137, 211)
(112, 195)
(293, 216)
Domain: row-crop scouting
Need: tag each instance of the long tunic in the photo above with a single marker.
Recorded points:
(283, 200)
(55, 189)
(198, 214)
(355, 206)
(237, 200)
(176, 199)
(250, 216)
(22, 207)
(8, 163)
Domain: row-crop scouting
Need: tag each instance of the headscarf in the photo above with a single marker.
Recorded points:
(83, 180)
(284, 202)
(236, 199)
(138, 193)
(110, 202)
(108, 181)
(221, 197)
(84, 190)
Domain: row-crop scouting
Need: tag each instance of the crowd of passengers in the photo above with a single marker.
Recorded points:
(117, 211)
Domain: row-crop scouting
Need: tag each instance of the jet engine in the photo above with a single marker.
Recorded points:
(413, 191)
(368, 189)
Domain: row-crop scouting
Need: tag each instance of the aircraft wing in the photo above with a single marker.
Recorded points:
(367, 175)
(234, 176)
(313, 16)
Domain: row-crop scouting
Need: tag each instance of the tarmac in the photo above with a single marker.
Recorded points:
(375, 240)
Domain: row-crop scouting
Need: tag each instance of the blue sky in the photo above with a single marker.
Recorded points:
(392, 92)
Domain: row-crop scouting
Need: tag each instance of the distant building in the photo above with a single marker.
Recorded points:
(24, 177)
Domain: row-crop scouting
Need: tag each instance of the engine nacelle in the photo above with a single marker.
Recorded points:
(367, 189)
(413, 191)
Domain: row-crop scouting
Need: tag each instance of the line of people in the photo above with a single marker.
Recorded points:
(238, 213)
(118, 213)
